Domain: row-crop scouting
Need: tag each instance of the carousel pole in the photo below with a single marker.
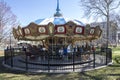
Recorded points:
(65, 42)
(55, 45)
(52, 44)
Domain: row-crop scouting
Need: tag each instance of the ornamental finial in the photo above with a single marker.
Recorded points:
(57, 14)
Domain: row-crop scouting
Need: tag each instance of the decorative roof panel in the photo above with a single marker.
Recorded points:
(58, 21)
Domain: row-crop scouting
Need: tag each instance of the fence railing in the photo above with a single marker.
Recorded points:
(48, 62)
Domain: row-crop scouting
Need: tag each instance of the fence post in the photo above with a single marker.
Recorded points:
(93, 59)
(11, 54)
(110, 55)
(48, 61)
(5, 56)
(26, 59)
(80, 56)
(106, 56)
(73, 61)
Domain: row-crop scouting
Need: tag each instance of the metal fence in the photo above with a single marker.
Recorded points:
(47, 62)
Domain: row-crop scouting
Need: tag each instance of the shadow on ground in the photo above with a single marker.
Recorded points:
(6, 70)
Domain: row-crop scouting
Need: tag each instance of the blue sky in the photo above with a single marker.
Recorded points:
(31, 10)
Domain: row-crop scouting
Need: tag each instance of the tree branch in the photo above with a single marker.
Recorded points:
(118, 5)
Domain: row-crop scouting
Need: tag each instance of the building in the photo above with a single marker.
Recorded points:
(118, 36)
(112, 32)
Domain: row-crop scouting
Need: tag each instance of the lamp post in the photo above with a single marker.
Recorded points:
(11, 52)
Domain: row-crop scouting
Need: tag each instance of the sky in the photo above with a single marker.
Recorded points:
(30, 10)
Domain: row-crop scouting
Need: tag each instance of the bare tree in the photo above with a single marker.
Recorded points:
(100, 8)
(116, 18)
(7, 20)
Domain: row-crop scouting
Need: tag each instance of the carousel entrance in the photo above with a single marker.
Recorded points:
(54, 45)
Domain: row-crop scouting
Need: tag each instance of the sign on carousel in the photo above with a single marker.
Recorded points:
(79, 30)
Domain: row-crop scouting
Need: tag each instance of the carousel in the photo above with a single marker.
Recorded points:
(58, 31)
(62, 44)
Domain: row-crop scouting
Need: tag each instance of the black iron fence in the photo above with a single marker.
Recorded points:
(47, 62)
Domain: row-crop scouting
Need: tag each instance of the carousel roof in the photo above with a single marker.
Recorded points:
(57, 26)
(58, 21)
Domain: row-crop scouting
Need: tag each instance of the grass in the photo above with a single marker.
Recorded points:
(111, 72)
